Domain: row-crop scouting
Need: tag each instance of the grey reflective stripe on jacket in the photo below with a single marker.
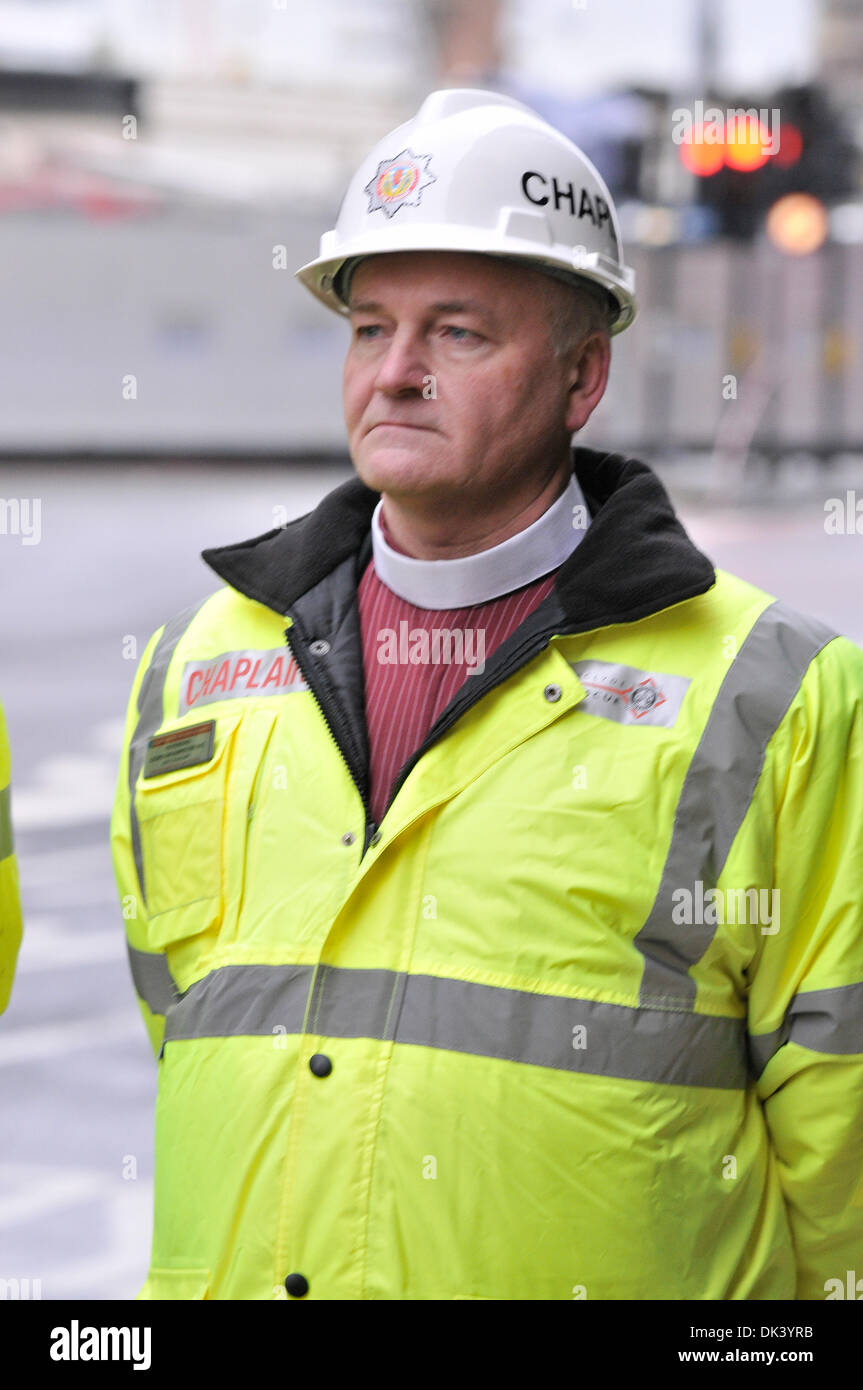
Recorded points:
(823, 1020)
(7, 844)
(153, 979)
(150, 714)
(541, 1030)
(751, 703)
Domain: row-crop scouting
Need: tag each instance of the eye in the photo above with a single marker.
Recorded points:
(366, 330)
(463, 333)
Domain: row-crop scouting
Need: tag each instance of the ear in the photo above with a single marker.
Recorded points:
(588, 378)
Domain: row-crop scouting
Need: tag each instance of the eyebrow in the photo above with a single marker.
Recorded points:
(444, 306)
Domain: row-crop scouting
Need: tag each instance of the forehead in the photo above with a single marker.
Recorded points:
(415, 276)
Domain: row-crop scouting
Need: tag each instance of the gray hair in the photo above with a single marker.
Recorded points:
(576, 308)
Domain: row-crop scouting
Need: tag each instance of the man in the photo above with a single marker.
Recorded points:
(10, 902)
(491, 864)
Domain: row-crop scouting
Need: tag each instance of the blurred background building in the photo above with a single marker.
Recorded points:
(153, 153)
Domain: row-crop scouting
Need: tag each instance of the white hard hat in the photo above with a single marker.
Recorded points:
(476, 171)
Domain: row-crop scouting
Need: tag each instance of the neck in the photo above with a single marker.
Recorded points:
(445, 529)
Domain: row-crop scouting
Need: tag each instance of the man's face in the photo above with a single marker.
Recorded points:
(451, 384)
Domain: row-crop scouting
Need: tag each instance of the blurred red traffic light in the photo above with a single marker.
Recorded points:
(702, 156)
(790, 146)
(744, 145)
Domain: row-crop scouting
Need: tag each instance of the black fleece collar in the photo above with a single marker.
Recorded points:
(634, 560)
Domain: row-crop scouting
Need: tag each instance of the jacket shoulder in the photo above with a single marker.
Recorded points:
(223, 613)
(769, 612)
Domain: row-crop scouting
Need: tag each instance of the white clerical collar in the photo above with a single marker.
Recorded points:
(471, 579)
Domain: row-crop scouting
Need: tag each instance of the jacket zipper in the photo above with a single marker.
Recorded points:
(520, 657)
(328, 706)
(329, 709)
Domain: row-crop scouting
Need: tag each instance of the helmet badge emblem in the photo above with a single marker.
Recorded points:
(399, 182)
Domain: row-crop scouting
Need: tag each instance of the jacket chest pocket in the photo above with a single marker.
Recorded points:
(192, 824)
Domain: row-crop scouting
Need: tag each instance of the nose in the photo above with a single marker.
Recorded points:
(402, 368)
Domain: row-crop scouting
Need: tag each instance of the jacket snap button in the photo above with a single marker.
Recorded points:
(348, 837)
(297, 1285)
(376, 838)
(319, 647)
(320, 1064)
(552, 692)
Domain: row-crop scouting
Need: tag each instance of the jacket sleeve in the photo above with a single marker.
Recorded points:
(10, 901)
(149, 969)
(806, 991)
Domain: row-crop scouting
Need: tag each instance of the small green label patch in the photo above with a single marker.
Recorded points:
(180, 748)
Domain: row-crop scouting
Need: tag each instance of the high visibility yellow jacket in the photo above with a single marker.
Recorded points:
(10, 902)
(582, 1017)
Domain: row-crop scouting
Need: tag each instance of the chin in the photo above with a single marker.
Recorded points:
(396, 469)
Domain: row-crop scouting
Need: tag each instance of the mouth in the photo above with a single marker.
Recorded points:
(395, 425)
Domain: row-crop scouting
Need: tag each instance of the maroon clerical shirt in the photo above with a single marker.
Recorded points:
(411, 676)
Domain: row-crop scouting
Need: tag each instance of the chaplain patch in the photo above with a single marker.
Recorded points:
(239, 675)
(630, 696)
(178, 748)
(399, 183)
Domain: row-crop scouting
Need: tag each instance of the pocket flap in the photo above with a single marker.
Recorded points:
(180, 820)
(175, 1283)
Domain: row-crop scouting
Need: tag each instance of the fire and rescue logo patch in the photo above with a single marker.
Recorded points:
(629, 696)
(399, 183)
